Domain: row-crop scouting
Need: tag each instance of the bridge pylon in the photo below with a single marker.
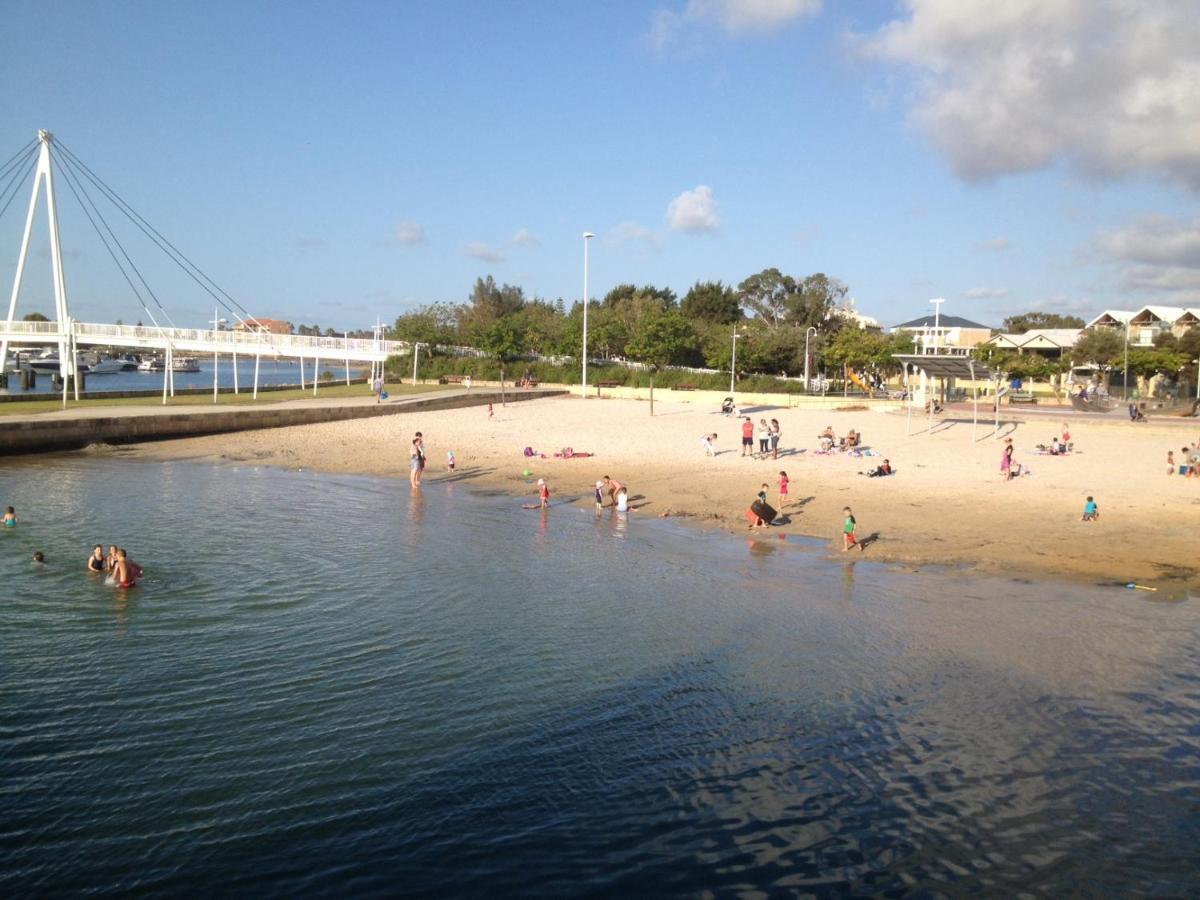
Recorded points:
(43, 176)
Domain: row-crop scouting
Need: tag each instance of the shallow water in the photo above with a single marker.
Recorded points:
(326, 685)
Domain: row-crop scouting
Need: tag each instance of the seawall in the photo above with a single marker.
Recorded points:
(36, 435)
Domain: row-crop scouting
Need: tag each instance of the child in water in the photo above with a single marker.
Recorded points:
(599, 496)
(449, 460)
(849, 527)
(1091, 512)
(38, 557)
(10, 518)
(543, 493)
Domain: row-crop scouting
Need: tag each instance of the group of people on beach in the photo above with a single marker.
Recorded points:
(1189, 461)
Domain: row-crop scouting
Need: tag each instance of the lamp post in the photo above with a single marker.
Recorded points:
(733, 360)
(812, 329)
(587, 237)
(217, 322)
(1197, 362)
(1125, 377)
(937, 318)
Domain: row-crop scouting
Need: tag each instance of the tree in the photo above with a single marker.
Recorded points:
(433, 325)
(1101, 347)
(1189, 343)
(712, 301)
(815, 299)
(34, 317)
(1030, 321)
(503, 341)
(1145, 363)
(661, 340)
(767, 294)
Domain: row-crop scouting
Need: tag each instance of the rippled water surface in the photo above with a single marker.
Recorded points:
(326, 685)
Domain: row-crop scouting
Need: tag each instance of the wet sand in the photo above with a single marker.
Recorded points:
(946, 505)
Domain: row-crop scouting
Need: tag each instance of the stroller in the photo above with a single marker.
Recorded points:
(727, 407)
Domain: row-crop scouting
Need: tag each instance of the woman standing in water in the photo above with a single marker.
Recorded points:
(95, 562)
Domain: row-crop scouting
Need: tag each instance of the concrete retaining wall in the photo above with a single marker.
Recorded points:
(38, 435)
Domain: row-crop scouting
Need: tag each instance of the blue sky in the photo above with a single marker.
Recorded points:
(338, 162)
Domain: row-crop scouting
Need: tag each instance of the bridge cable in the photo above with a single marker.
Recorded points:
(69, 178)
(18, 155)
(177, 256)
(20, 173)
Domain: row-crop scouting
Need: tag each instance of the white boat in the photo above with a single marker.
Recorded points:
(46, 362)
(185, 364)
(152, 364)
(106, 367)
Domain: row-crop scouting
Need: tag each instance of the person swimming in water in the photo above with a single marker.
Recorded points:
(110, 561)
(96, 562)
(39, 557)
(10, 518)
(127, 572)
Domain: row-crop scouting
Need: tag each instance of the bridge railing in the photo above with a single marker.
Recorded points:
(30, 328)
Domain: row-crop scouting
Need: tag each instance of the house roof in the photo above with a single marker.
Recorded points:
(1039, 337)
(942, 322)
(1162, 313)
(1117, 315)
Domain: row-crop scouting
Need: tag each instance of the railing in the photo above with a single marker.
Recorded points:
(244, 341)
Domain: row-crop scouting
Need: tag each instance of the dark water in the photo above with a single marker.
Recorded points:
(326, 686)
(270, 372)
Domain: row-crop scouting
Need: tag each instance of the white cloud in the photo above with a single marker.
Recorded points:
(1111, 87)
(985, 293)
(735, 17)
(523, 237)
(693, 211)
(996, 243)
(409, 233)
(484, 252)
(630, 232)
(1156, 254)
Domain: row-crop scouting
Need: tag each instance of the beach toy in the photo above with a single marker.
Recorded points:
(1139, 587)
(383, 395)
(526, 473)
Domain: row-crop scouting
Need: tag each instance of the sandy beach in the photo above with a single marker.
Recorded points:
(947, 504)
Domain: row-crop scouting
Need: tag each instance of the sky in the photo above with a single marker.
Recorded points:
(335, 163)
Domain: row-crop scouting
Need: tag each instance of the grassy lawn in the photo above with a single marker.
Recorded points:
(325, 392)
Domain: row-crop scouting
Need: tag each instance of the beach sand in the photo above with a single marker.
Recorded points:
(946, 505)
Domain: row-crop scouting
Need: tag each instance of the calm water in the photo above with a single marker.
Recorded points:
(270, 372)
(326, 686)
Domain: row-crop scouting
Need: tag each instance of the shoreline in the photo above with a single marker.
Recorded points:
(971, 520)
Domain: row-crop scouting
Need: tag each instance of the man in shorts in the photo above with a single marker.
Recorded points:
(747, 436)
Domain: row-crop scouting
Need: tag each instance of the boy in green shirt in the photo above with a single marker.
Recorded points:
(848, 529)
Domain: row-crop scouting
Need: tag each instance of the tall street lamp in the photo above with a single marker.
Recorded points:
(733, 360)
(587, 236)
(1197, 362)
(812, 329)
(1125, 377)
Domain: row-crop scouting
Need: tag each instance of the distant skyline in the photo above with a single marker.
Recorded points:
(331, 163)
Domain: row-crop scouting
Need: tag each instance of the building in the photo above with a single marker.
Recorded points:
(948, 334)
(1052, 343)
(1145, 324)
(848, 313)
(267, 326)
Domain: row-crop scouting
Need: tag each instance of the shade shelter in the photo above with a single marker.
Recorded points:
(934, 365)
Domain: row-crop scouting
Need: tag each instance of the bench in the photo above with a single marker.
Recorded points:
(451, 379)
(684, 387)
(530, 383)
(606, 384)
(1021, 397)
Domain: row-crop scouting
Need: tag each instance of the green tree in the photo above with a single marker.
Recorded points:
(768, 295)
(503, 341)
(1031, 321)
(1101, 347)
(712, 301)
(1189, 343)
(661, 339)
(34, 317)
(1145, 363)
(435, 325)
(815, 300)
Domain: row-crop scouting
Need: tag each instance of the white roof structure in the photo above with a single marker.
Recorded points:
(1039, 339)
(1112, 316)
(1147, 315)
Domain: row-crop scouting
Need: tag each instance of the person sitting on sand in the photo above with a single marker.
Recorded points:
(95, 562)
(851, 440)
(759, 521)
(881, 471)
(10, 518)
(828, 433)
(1091, 512)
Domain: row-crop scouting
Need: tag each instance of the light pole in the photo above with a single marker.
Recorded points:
(587, 237)
(1197, 362)
(812, 329)
(733, 360)
(217, 322)
(937, 318)
(1125, 377)
(416, 356)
